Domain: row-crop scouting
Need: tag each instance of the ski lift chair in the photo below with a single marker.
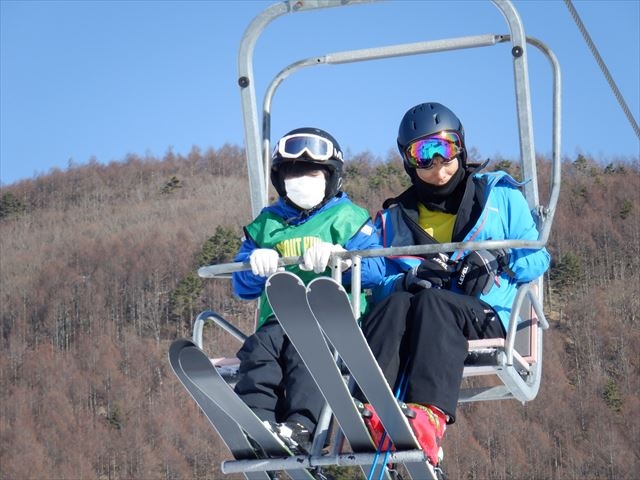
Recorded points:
(515, 361)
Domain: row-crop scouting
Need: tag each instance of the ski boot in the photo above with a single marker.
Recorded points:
(374, 425)
(428, 424)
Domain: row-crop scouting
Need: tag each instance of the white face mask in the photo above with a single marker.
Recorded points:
(305, 192)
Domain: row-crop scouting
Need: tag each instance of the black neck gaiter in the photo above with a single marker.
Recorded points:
(444, 198)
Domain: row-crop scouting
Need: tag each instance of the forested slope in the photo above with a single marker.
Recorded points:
(97, 277)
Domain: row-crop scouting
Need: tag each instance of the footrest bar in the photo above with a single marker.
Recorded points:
(292, 463)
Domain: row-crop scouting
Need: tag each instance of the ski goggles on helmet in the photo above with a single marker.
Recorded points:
(314, 146)
(420, 153)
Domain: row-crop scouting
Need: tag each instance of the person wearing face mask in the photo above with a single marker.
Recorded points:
(428, 307)
(311, 219)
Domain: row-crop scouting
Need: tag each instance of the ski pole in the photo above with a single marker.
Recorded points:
(404, 382)
(400, 390)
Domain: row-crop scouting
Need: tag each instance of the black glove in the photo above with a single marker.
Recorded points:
(477, 271)
(434, 272)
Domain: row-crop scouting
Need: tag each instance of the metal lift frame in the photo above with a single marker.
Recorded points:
(519, 375)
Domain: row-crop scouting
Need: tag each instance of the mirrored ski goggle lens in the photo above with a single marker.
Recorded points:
(294, 146)
(420, 154)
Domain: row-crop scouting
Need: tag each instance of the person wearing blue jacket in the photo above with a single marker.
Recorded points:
(311, 219)
(427, 308)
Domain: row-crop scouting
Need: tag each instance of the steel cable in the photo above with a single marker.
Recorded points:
(602, 66)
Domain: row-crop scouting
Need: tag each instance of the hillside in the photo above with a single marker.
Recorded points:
(97, 277)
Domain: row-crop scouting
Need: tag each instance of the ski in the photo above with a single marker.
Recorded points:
(227, 429)
(331, 307)
(228, 414)
(287, 296)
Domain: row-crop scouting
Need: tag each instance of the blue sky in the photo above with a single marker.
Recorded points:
(104, 79)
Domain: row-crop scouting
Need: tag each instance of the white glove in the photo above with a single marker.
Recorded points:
(317, 257)
(264, 261)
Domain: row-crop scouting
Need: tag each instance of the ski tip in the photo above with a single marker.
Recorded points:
(177, 345)
(285, 277)
(325, 280)
(320, 282)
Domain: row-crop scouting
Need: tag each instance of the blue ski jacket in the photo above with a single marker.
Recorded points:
(502, 213)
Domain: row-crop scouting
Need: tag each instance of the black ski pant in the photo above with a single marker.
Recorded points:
(274, 382)
(420, 342)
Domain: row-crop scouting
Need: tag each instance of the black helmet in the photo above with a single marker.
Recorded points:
(308, 146)
(427, 119)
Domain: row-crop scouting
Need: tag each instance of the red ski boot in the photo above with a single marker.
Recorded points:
(429, 425)
(376, 430)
